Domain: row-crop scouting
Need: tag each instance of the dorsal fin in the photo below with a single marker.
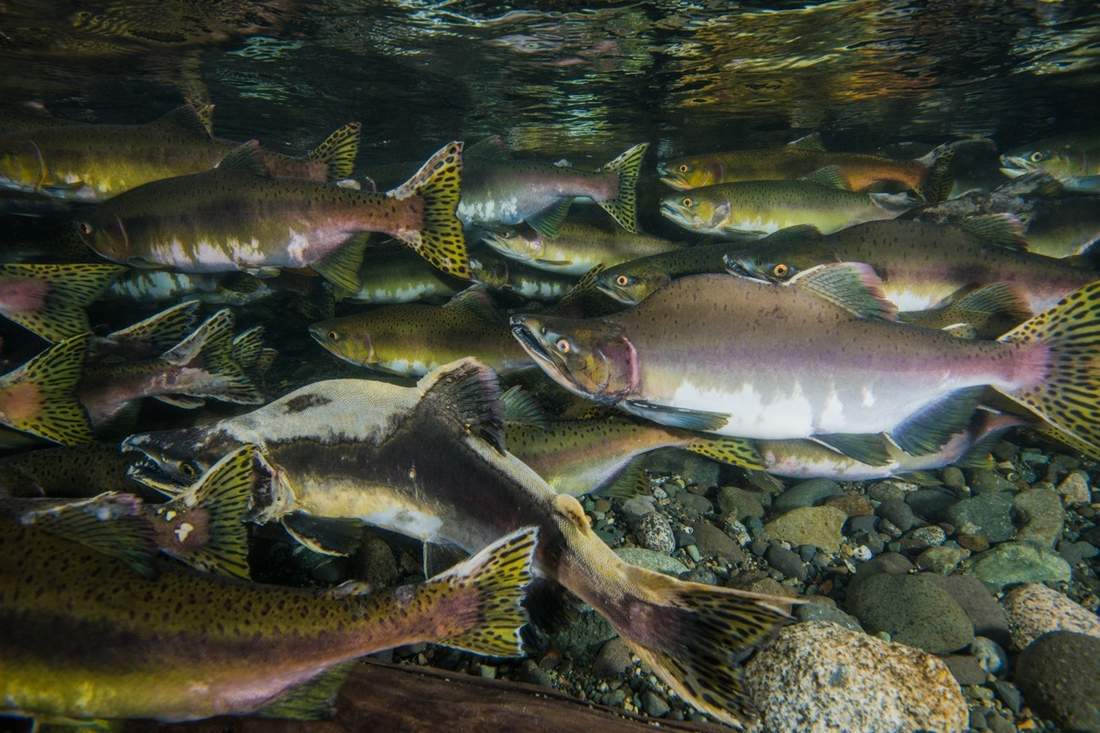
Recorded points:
(185, 119)
(521, 408)
(489, 149)
(467, 393)
(853, 286)
(584, 286)
(476, 301)
(808, 142)
(830, 176)
(1005, 230)
(244, 158)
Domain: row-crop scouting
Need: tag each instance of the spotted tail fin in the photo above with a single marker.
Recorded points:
(338, 151)
(40, 397)
(440, 240)
(49, 300)
(1067, 338)
(623, 208)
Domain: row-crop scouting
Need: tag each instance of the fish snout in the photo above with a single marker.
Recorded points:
(738, 266)
(1015, 166)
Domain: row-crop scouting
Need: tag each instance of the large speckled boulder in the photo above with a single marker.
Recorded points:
(1059, 675)
(1034, 610)
(815, 525)
(818, 677)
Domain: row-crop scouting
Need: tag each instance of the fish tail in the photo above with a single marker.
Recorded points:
(338, 151)
(40, 397)
(690, 634)
(218, 502)
(252, 354)
(162, 330)
(731, 451)
(440, 240)
(210, 349)
(1068, 397)
(56, 312)
(940, 179)
(624, 207)
(488, 591)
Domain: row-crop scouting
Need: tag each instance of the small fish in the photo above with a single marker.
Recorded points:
(801, 158)
(49, 300)
(984, 312)
(237, 217)
(159, 286)
(498, 190)
(839, 370)
(199, 366)
(504, 274)
(176, 654)
(99, 161)
(39, 398)
(74, 472)
(412, 339)
(924, 265)
(578, 457)
(430, 462)
(577, 248)
(1073, 159)
(757, 208)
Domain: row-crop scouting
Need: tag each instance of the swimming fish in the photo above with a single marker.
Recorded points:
(414, 338)
(922, 265)
(984, 312)
(756, 208)
(186, 645)
(199, 366)
(389, 275)
(578, 457)
(1073, 159)
(838, 369)
(499, 190)
(802, 157)
(158, 286)
(430, 462)
(577, 248)
(39, 398)
(237, 217)
(100, 161)
(49, 300)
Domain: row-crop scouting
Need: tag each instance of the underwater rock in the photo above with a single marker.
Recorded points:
(898, 513)
(914, 610)
(786, 562)
(983, 610)
(942, 560)
(614, 658)
(1059, 675)
(1074, 488)
(1012, 563)
(805, 494)
(712, 541)
(654, 532)
(987, 514)
(818, 677)
(1042, 515)
(854, 505)
(1034, 610)
(743, 504)
(823, 612)
(817, 526)
(986, 481)
(651, 560)
(930, 504)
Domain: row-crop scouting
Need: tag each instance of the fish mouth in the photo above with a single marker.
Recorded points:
(673, 212)
(674, 182)
(742, 268)
(1014, 166)
(149, 474)
(529, 341)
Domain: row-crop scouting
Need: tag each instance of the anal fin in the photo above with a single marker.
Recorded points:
(313, 700)
(341, 268)
(869, 448)
(326, 536)
(927, 430)
(548, 221)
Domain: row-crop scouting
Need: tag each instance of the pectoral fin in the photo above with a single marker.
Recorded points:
(677, 417)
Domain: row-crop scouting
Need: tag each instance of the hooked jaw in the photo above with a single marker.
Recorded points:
(1014, 166)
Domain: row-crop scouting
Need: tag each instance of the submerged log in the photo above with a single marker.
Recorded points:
(401, 698)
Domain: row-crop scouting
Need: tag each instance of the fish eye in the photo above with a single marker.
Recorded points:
(85, 228)
(1036, 156)
(333, 336)
(683, 168)
(622, 281)
(563, 346)
(686, 201)
(188, 469)
(781, 270)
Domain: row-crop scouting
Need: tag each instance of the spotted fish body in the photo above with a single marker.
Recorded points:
(577, 248)
(398, 276)
(511, 192)
(923, 264)
(84, 636)
(860, 171)
(501, 273)
(429, 462)
(1068, 158)
(158, 286)
(79, 471)
(692, 352)
(763, 207)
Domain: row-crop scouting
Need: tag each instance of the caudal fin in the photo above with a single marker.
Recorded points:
(1068, 337)
(49, 300)
(40, 397)
(624, 207)
(488, 589)
(691, 635)
(217, 375)
(204, 525)
(440, 240)
(158, 332)
(338, 151)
